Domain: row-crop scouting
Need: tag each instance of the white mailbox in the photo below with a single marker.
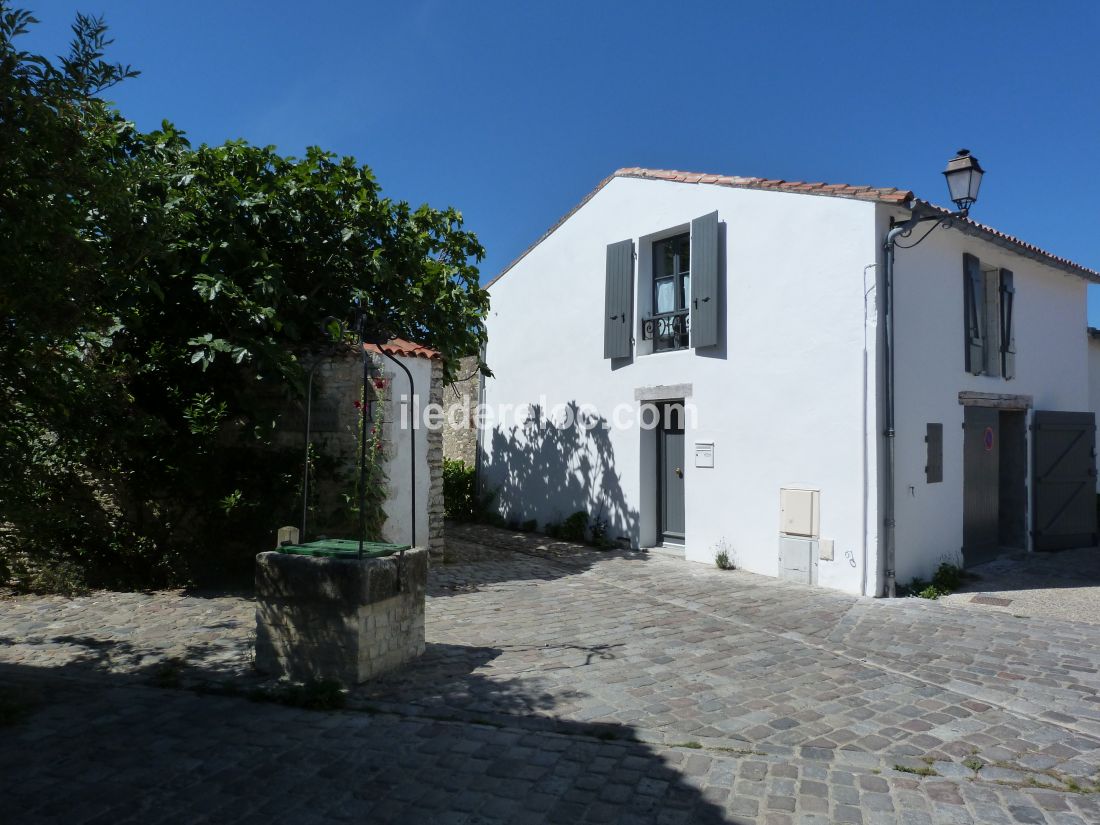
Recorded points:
(704, 453)
(799, 511)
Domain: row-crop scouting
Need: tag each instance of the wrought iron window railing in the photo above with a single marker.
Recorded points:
(667, 330)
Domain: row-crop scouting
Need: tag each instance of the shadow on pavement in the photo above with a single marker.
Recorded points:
(111, 746)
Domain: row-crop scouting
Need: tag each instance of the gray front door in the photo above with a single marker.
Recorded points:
(670, 474)
(1064, 471)
(981, 485)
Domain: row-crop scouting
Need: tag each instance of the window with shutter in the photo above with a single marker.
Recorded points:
(974, 314)
(668, 325)
(1007, 329)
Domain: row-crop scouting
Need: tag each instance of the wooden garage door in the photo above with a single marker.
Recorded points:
(1064, 479)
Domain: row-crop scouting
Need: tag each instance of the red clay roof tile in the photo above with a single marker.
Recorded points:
(886, 195)
(403, 348)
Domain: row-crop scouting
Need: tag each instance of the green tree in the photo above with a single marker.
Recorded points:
(160, 304)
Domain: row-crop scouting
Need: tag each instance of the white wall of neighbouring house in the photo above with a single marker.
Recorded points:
(1094, 382)
(787, 397)
(399, 439)
(1052, 366)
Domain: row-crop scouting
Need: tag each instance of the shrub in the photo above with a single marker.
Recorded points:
(597, 529)
(948, 578)
(575, 528)
(723, 556)
(529, 526)
(459, 492)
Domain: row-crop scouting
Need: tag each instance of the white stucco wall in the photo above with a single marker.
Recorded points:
(1051, 366)
(787, 400)
(398, 505)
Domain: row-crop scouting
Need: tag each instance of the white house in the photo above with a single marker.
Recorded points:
(758, 307)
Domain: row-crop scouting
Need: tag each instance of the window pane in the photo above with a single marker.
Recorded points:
(685, 291)
(664, 295)
(683, 249)
(663, 259)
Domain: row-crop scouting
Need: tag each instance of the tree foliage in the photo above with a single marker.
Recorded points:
(156, 306)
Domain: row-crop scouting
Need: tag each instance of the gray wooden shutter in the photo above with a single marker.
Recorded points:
(1008, 325)
(974, 311)
(933, 467)
(704, 281)
(618, 321)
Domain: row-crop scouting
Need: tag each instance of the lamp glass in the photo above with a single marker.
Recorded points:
(964, 178)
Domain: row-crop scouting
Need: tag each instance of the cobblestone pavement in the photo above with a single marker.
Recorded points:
(562, 685)
(1062, 585)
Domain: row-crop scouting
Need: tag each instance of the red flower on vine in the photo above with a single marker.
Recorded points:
(380, 383)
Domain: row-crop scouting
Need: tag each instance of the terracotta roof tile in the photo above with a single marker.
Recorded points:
(403, 348)
(1030, 250)
(839, 190)
(885, 195)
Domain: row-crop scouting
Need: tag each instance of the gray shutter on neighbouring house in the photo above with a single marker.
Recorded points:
(618, 323)
(704, 281)
(974, 314)
(1008, 325)
(933, 467)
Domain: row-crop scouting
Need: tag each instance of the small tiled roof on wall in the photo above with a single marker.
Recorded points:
(401, 347)
(886, 195)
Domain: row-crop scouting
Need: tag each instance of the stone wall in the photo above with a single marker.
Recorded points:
(336, 619)
(460, 430)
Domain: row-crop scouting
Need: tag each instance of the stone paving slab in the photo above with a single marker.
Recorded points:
(563, 684)
(1062, 585)
(123, 754)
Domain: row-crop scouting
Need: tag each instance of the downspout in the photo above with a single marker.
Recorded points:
(920, 214)
(888, 432)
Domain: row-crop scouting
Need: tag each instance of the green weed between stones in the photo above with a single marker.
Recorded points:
(946, 580)
(925, 770)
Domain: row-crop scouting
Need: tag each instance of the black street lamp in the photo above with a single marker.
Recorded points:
(964, 179)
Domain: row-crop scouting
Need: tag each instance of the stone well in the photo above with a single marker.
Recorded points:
(348, 620)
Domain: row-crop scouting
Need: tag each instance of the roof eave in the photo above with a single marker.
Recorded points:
(970, 227)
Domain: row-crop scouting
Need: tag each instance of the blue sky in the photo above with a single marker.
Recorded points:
(512, 111)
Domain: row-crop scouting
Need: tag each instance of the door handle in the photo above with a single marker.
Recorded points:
(679, 473)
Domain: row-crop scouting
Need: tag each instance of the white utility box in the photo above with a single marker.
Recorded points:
(799, 511)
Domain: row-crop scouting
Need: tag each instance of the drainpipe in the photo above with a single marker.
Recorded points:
(920, 214)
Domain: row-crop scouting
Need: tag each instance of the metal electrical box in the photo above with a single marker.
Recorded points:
(798, 559)
(799, 512)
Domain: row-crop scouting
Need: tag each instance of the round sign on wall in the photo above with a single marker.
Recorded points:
(987, 439)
